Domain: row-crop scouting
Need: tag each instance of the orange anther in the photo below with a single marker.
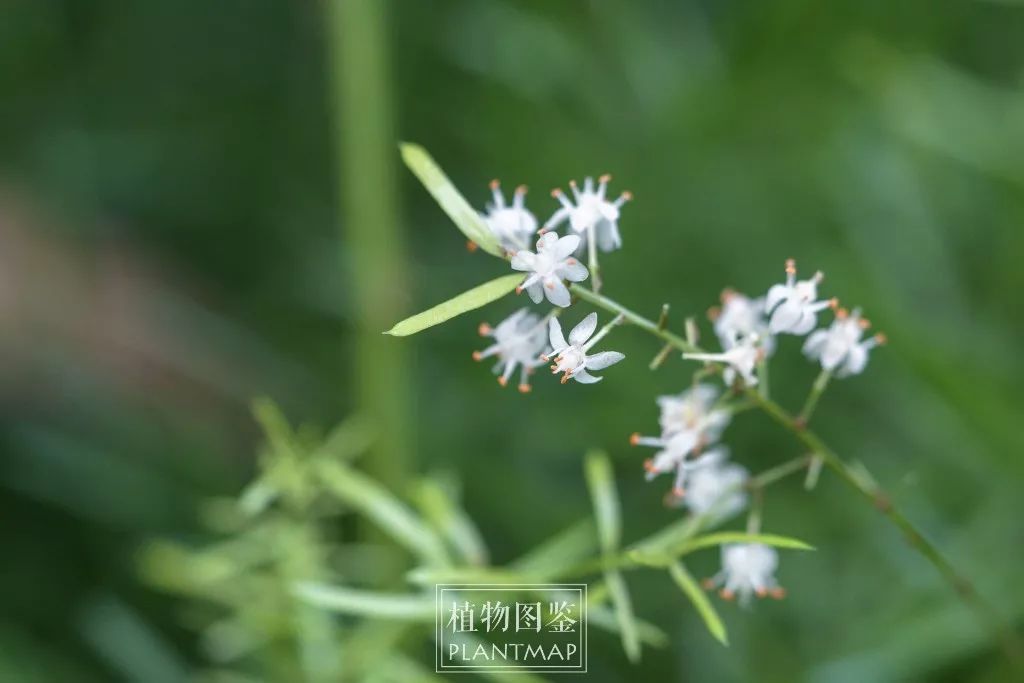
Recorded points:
(634, 439)
(471, 246)
(484, 329)
(524, 388)
(726, 594)
(502, 381)
(495, 184)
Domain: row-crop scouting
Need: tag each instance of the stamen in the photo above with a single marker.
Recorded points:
(727, 294)
(833, 303)
(761, 592)
(495, 184)
(606, 178)
(679, 492)
(842, 314)
(471, 246)
(524, 388)
(502, 380)
(519, 290)
(881, 338)
(726, 594)
(484, 329)
(818, 276)
(708, 583)
(790, 267)
(634, 439)
(864, 323)
(565, 378)
(778, 592)
(713, 313)
(521, 189)
(478, 356)
(649, 466)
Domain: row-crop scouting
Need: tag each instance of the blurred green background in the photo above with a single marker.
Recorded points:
(190, 218)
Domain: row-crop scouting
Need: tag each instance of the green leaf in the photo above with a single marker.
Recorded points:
(480, 295)
(598, 470)
(700, 600)
(402, 606)
(428, 576)
(604, 618)
(624, 614)
(559, 553)
(665, 556)
(454, 204)
(438, 504)
(393, 517)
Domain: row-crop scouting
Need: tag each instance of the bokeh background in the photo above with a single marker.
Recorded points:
(202, 202)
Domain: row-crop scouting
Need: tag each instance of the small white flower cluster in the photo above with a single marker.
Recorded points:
(746, 329)
(747, 569)
(519, 341)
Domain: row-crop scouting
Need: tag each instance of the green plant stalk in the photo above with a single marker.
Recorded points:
(984, 610)
(817, 389)
(357, 43)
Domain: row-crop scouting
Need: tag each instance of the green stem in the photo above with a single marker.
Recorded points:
(985, 612)
(817, 389)
(593, 266)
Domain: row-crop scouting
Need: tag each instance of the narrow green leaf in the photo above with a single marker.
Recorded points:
(559, 553)
(454, 204)
(481, 295)
(384, 509)
(438, 504)
(624, 614)
(700, 600)
(427, 576)
(402, 606)
(665, 555)
(598, 470)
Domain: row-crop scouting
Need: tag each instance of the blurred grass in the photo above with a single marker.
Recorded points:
(170, 248)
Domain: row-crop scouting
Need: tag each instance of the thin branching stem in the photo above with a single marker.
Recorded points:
(983, 609)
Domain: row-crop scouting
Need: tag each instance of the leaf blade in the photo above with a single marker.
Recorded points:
(465, 217)
(700, 601)
(405, 607)
(471, 299)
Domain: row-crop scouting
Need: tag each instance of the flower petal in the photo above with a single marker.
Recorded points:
(584, 377)
(536, 292)
(566, 246)
(574, 272)
(556, 292)
(555, 335)
(776, 294)
(583, 330)
(600, 361)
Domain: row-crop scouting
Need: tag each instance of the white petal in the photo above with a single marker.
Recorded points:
(584, 377)
(856, 361)
(574, 272)
(600, 361)
(583, 330)
(557, 293)
(833, 355)
(547, 241)
(524, 260)
(806, 323)
(536, 292)
(814, 343)
(555, 335)
(785, 316)
(776, 294)
(566, 246)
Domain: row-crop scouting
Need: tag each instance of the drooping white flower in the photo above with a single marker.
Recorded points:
(519, 341)
(741, 357)
(546, 269)
(513, 225)
(591, 215)
(716, 485)
(839, 348)
(792, 305)
(740, 317)
(571, 358)
(689, 423)
(747, 569)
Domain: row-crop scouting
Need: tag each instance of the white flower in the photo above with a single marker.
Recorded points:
(546, 269)
(716, 485)
(591, 214)
(741, 357)
(747, 569)
(840, 348)
(792, 306)
(740, 317)
(689, 422)
(514, 225)
(571, 357)
(519, 340)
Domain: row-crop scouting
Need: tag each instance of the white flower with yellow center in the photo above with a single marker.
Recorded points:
(590, 214)
(519, 341)
(747, 569)
(792, 305)
(839, 348)
(571, 357)
(513, 225)
(546, 269)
